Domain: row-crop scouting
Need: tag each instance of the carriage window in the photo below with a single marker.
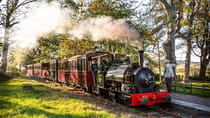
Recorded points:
(70, 65)
(75, 65)
(83, 64)
(79, 64)
(45, 66)
(60, 65)
(52, 66)
(66, 66)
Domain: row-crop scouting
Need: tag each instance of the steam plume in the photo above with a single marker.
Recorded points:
(106, 28)
(43, 19)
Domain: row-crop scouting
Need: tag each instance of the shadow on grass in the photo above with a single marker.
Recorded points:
(5, 77)
(13, 95)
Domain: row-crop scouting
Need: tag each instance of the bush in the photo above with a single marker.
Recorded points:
(4, 76)
(13, 71)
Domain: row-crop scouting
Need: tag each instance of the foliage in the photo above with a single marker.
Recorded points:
(29, 57)
(117, 47)
(116, 8)
(48, 46)
(73, 47)
(17, 56)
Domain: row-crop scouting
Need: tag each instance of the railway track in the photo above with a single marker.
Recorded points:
(168, 110)
(183, 111)
(163, 110)
(155, 111)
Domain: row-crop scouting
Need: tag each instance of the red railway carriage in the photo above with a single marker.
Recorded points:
(40, 70)
(37, 70)
(77, 70)
(88, 74)
(45, 70)
(30, 70)
(53, 70)
(67, 70)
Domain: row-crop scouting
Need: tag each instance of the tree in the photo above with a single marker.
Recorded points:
(17, 56)
(170, 8)
(30, 56)
(48, 46)
(10, 12)
(193, 28)
(202, 36)
(184, 30)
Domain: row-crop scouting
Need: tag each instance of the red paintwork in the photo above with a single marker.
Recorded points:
(73, 77)
(61, 75)
(45, 74)
(89, 78)
(30, 72)
(38, 72)
(158, 97)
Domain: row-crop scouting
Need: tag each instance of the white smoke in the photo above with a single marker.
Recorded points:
(50, 17)
(105, 27)
(40, 20)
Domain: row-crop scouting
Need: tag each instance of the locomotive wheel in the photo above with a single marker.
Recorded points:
(115, 97)
(168, 98)
(103, 92)
(90, 89)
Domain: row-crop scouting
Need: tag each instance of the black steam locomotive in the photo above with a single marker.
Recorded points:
(123, 82)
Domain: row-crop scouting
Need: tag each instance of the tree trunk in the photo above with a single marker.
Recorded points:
(204, 60)
(169, 44)
(203, 67)
(5, 51)
(205, 52)
(188, 59)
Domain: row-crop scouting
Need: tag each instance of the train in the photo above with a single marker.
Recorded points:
(116, 77)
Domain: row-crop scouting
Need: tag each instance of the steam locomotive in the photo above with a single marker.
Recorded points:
(123, 82)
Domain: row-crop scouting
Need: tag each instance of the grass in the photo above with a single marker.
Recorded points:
(195, 91)
(43, 102)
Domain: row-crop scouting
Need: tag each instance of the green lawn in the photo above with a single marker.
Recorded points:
(43, 102)
(195, 91)
(199, 88)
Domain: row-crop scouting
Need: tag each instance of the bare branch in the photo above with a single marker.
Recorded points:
(165, 5)
(180, 16)
(14, 23)
(195, 53)
(25, 2)
(183, 35)
(157, 29)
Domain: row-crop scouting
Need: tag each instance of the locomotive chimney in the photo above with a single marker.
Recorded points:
(141, 58)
